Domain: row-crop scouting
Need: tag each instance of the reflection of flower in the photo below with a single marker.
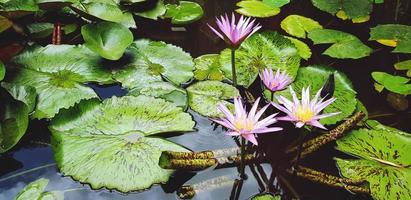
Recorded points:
(246, 125)
(276, 82)
(234, 34)
(306, 111)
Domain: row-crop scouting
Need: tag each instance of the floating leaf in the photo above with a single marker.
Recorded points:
(162, 90)
(184, 13)
(395, 35)
(351, 9)
(384, 160)
(204, 97)
(17, 8)
(261, 50)
(25, 94)
(58, 73)
(344, 45)
(208, 67)
(107, 145)
(266, 197)
(315, 77)
(157, 11)
(257, 8)
(108, 39)
(297, 25)
(404, 65)
(392, 83)
(5, 23)
(276, 3)
(33, 190)
(55, 4)
(303, 50)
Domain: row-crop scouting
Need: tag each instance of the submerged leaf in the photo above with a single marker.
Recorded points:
(184, 13)
(344, 45)
(392, 83)
(204, 97)
(262, 50)
(257, 8)
(297, 25)
(395, 35)
(33, 190)
(108, 144)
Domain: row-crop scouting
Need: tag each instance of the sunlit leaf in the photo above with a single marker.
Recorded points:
(344, 45)
(208, 67)
(155, 13)
(204, 97)
(266, 197)
(262, 50)
(257, 8)
(164, 90)
(397, 84)
(297, 25)
(58, 73)
(315, 77)
(184, 13)
(394, 35)
(351, 8)
(384, 160)
(33, 190)
(110, 144)
(303, 50)
(404, 65)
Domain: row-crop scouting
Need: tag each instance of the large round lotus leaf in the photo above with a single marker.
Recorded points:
(262, 50)
(204, 97)
(396, 35)
(344, 45)
(397, 84)
(352, 8)
(33, 190)
(108, 39)
(384, 161)
(58, 73)
(297, 25)
(106, 145)
(208, 67)
(184, 13)
(315, 77)
(17, 8)
(158, 11)
(160, 58)
(257, 8)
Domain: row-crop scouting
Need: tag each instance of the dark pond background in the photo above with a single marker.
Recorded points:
(34, 150)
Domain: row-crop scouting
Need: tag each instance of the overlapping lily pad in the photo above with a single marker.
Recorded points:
(258, 8)
(58, 73)
(303, 49)
(403, 65)
(262, 50)
(315, 77)
(397, 84)
(384, 160)
(184, 13)
(204, 97)
(35, 191)
(395, 35)
(158, 11)
(111, 145)
(348, 8)
(298, 26)
(208, 67)
(344, 45)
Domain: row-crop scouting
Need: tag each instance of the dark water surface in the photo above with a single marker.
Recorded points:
(34, 151)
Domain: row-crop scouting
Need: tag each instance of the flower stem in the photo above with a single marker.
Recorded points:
(300, 147)
(233, 67)
(242, 163)
(272, 96)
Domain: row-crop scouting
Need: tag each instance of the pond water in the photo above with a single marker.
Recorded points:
(32, 158)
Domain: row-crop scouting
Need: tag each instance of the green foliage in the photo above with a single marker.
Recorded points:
(5, 23)
(351, 9)
(121, 128)
(262, 50)
(396, 35)
(208, 67)
(344, 45)
(258, 8)
(204, 97)
(315, 77)
(40, 30)
(297, 25)
(404, 65)
(2, 71)
(184, 13)
(383, 161)
(17, 8)
(392, 83)
(266, 197)
(108, 39)
(303, 49)
(158, 11)
(35, 191)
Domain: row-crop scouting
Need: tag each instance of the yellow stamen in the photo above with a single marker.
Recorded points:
(304, 113)
(244, 124)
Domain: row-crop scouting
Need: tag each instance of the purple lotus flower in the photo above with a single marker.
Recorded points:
(305, 111)
(234, 34)
(246, 125)
(276, 82)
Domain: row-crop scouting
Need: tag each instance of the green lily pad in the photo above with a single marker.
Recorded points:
(257, 8)
(298, 26)
(303, 49)
(403, 65)
(55, 4)
(396, 35)
(204, 97)
(154, 13)
(164, 90)
(351, 9)
(397, 84)
(266, 197)
(111, 145)
(344, 45)
(25, 94)
(184, 13)
(315, 77)
(208, 67)
(17, 8)
(262, 50)
(108, 39)
(384, 160)
(58, 73)
(5, 23)
(33, 190)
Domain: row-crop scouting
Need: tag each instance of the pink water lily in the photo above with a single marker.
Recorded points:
(275, 82)
(234, 34)
(246, 125)
(305, 111)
